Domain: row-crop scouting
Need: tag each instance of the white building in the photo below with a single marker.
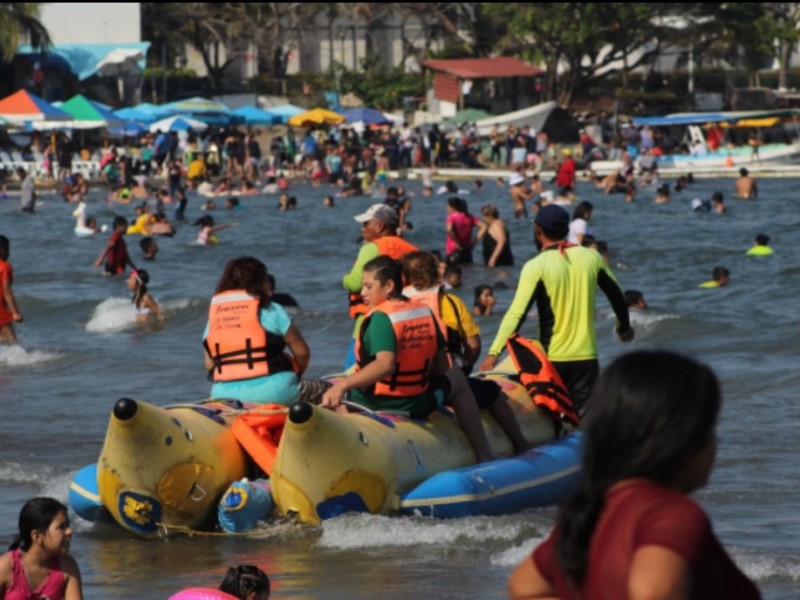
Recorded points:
(92, 23)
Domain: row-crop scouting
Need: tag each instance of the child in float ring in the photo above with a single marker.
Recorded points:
(38, 564)
(244, 286)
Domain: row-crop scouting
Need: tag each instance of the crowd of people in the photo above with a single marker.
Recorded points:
(414, 344)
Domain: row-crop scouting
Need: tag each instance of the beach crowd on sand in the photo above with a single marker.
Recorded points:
(637, 472)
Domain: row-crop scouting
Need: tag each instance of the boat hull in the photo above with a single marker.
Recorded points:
(537, 478)
(329, 463)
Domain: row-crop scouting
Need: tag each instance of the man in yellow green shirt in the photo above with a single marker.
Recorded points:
(562, 281)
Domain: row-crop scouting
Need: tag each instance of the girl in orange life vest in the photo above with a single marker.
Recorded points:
(38, 564)
(392, 375)
(246, 337)
(462, 338)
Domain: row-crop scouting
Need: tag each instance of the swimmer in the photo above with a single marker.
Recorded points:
(210, 205)
(662, 196)
(327, 201)
(451, 279)
(246, 582)
(635, 299)
(746, 187)
(718, 203)
(484, 300)
(208, 229)
(232, 203)
(720, 277)
(149, 248)
(699, 205)
(760, 246)
(142, 301)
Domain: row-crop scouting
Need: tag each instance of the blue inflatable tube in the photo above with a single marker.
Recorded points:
(84, 496)
(539, 477)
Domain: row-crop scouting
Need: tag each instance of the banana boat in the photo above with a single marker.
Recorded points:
(168, 466)
(329, 463)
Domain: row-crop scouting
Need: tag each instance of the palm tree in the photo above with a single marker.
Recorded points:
(17, 18)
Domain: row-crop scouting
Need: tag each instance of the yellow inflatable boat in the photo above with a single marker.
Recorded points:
(330, 463)
(168, 466)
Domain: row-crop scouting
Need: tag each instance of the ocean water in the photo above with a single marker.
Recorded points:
(81, 349)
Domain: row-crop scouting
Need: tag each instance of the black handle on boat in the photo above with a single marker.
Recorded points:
(300, 412)
(125, 409)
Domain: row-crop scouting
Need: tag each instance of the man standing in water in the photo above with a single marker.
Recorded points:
(9, 313)
(746, 186)
(562, 280)
(379, 232)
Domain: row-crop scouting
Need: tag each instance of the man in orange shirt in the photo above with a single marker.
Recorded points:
(8, 305)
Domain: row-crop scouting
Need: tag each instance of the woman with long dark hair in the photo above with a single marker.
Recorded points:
(630, 529)
(459, 225)
(247, 338)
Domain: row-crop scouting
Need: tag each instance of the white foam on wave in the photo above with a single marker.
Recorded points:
(511, 557)
(759, 566)
(352, 532)
(112, 315)
(17, 356)
(46, 479)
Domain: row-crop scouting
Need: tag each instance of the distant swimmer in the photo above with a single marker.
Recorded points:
(760, 246)
(746, 186)
(142, 301)
(720, 277)
(718, 203)
(207, 232)
(520, 194)
(115, 254)
(635, 300)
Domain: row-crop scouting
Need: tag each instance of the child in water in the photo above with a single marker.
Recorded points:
(484, 300)
(142, 300)
(208, 229)
(247, 582)
(38, 563)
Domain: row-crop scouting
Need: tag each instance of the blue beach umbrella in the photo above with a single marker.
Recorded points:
(286, 112)
(179, 123)
(370, 116)
(253, 115)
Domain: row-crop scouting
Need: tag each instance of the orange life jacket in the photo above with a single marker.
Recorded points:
(259, 433)
(415, 331)
(432, 298)
(237, 343)
(540, 378)
(389, 245)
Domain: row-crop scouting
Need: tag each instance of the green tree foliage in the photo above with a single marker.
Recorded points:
(17, 18)
(580, 43)
(377, 85)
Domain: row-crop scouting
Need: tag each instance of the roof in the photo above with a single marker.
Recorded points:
(483, 68)
(84, 60)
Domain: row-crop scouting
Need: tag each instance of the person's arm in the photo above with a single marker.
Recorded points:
(72, 577)
(5, 573)
(221, 227)
(515, 315)
(658, 573)
(352, 280)
(150, 303)
(103, 254)
(297, 344)
(499, 234)
(482, 229)
(615, 295)
(527, 583)
(10, 301)
(380, 368)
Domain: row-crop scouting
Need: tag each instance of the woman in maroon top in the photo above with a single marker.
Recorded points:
(630, 531)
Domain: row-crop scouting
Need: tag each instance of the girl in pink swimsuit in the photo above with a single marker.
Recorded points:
(38, 564)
